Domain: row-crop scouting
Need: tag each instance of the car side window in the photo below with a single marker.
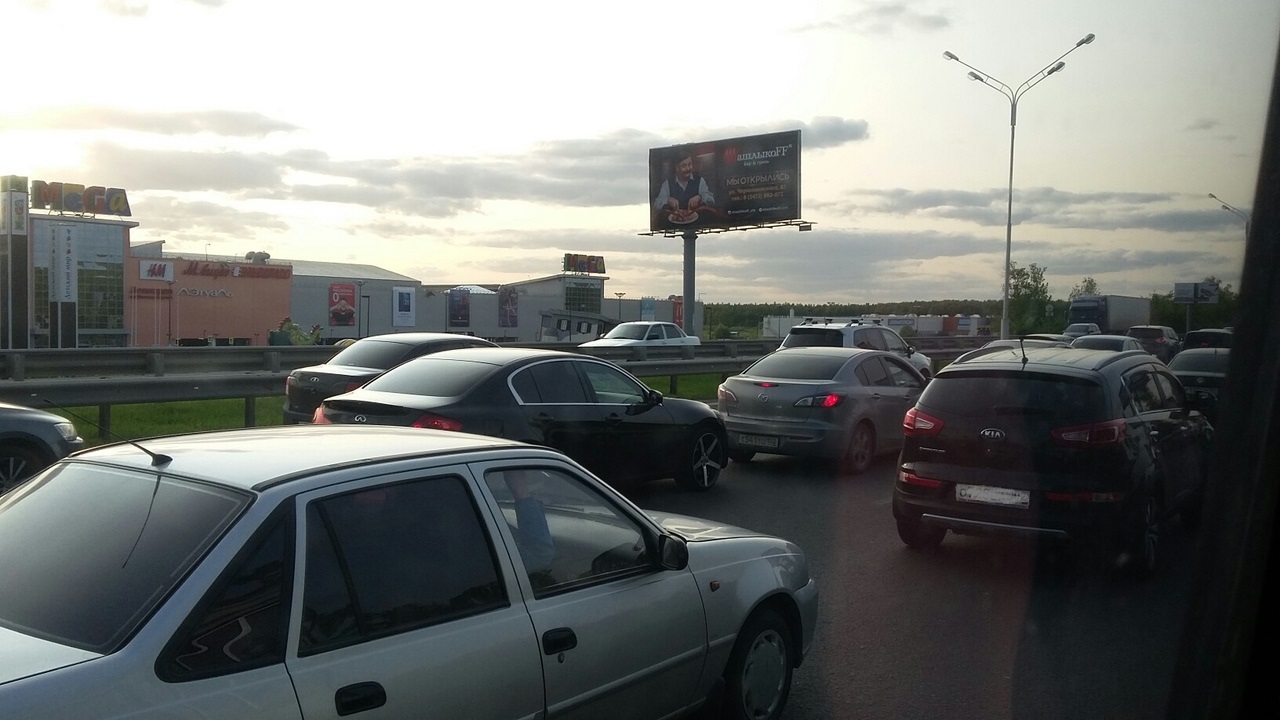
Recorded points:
(872, 373)
(1143, 392)
(1170, 391)
(655, 333)
(549, 382)
(591, 540)
(610, 386)
(242, 625)
(900, 374)
(394, 558)
(892, 342)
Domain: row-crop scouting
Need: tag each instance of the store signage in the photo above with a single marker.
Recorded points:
(196, 292)
(72, 198)
(162, 271)
(574, 262)
(224, 269)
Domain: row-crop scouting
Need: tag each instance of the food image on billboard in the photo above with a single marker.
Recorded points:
(724, 184)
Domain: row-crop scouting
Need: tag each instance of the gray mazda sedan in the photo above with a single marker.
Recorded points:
(325, 571)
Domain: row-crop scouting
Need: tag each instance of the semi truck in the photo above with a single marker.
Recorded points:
(1113, 314)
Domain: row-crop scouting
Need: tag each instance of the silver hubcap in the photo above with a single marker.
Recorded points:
(706, 459)
(12, 472)
(860, 447)
(763, 675)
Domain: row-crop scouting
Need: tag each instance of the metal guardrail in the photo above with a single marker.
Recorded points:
(120, 376)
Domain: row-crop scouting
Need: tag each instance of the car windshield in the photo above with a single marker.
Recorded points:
(1146, 333)
(1197, 338)
(432, 376)
(813, 337)
(1200, 362)
(1077, 328)
(90, 550)
(378, 354)
(990, 393)
(797, 366)
(628, 331)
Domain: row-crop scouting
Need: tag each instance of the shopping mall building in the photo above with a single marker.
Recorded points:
(70, 277)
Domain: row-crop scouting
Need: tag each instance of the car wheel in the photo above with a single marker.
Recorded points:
(1144, 547)
(861, 449)
(918, 536)
(758, 676)
(741, 455)
(704, 460)
(18, 463)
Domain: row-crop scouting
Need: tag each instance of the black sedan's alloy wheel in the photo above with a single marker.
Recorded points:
(704, 461)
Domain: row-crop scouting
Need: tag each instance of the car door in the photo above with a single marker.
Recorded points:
(641, 437)
(885, 399)
(1182, 440)
(1164, 433)
(899, 397)
(559, 413)
(405, 608)
(619, 636)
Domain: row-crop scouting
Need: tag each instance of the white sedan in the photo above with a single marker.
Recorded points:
(651, 334)
(324, 571)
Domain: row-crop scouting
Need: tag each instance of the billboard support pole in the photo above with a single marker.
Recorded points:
(690, 262)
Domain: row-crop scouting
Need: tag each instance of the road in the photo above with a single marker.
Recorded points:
(976, 630)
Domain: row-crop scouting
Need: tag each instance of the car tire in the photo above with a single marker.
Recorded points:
(741, 455)
(17, 463)
(1144, 544)
(861, 449)
(704, 459)
(918, 536)
(758, 675)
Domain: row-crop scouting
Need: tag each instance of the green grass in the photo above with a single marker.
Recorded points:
(152, 419)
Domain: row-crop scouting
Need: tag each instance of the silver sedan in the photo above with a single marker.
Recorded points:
(326, 571)
(832, 403)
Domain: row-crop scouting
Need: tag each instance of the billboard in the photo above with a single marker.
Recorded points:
(1195, 293)
(405, 312)
(573, 262)
(342, 304)
(725, 184)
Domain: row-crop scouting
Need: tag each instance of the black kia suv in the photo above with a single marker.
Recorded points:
(1095, 447)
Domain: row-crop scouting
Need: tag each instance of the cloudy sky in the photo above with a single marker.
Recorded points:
(477, 142)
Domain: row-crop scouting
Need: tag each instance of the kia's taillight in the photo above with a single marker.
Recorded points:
(829, 400)
(920, 424)
(1100, 434)
(435, 422)
(913, 479)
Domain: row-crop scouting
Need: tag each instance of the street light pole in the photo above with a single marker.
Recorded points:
(1013, 97)
(1237, 211)
(619, 296)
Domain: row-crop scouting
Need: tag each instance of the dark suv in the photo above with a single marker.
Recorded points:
(1053, 443)
(1159, 340)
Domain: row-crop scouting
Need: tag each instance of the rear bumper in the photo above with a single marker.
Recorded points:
(808, 439)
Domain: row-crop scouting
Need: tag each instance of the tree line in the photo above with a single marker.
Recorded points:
(1031, 308)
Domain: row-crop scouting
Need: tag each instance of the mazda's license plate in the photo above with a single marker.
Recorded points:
(993, 495)
(760, 441)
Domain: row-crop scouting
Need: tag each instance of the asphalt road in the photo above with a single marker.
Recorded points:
(977, 629)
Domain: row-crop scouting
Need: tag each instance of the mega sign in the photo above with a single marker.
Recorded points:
(583, 263)
(68, 197)
(725, 184)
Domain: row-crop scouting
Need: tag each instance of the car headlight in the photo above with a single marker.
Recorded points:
(66, 430)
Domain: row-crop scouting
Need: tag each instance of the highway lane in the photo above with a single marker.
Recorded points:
(976, 630)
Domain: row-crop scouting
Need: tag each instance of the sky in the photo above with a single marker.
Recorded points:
(478, 142)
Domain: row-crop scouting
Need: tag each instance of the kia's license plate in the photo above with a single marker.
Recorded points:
(993, 495)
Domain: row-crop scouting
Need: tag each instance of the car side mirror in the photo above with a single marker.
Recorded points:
(673, 553)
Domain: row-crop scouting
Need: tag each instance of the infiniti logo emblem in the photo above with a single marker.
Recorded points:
(359, 418)
(992, 434)
(763, 398)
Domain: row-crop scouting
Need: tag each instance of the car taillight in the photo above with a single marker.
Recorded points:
(725, 394)
(829, 400)
(1110, 432)
(913, 479)
(288, 383)
(435, 422)
(1160, 340)
(318, 418)
(353, 385)
(920, 424)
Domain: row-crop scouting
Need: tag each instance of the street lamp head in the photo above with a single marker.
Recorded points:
(1224, 207)
(976, 76)
(1085, 40)
(1215, 197)
(949, 55)
(1055, 68)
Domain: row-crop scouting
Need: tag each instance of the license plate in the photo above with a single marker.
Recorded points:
(993, 495)
(759, 441)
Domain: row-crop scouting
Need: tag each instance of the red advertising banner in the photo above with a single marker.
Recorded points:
(677, 310)
(342, 304)
(725, 184)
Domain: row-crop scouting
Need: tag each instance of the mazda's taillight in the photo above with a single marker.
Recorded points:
(725, 394)
(829, 400)
(435, 422)
(920, 424)
(1100, 434)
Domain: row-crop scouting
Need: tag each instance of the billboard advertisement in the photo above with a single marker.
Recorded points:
(404, 314)
(574, 262)
(342, 304)
(725, 184)
(459, 307)
(1195, 293)
(508, 308)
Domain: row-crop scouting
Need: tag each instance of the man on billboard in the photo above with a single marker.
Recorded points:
(683, 192)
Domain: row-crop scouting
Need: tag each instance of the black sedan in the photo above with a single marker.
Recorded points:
(1202, 370)
(590, 409)
(360, 362)
(30, 439)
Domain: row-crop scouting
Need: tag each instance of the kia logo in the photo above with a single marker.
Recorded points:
(361, 418)
(992, 434)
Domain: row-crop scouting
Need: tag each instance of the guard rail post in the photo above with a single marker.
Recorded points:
(155, 364)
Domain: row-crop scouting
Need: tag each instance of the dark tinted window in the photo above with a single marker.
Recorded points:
(107, 544)
(242, 626)
(550, 382)
(394, 558)
(1198, 338)
(872, 372)
(1147, 333)
(433, 376)
(611, 385)
(811, 337)
(976, 394)
(1200, 362)
(892, 341)
(1171, 394)
(1143, 392)
(901, 374)
(370, 353)
(797, 366)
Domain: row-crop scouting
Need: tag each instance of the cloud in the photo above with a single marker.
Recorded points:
(125, 8)
(100, 117)
(169, 216)
(883, 18)
(1202, 124)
